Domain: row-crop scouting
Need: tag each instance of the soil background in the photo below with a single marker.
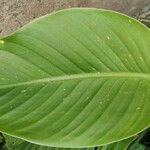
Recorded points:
(16, 13)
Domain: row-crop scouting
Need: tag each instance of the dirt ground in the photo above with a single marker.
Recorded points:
(16, 13)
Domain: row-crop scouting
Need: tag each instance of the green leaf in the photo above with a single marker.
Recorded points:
(2, 142)
(142, 142)
(12, 143)
(121, 145)
(76, 78)
(17, 144)
(137, 146)
(30, 146)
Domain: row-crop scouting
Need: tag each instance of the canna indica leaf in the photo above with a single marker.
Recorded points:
(76, 78)
(17, 144)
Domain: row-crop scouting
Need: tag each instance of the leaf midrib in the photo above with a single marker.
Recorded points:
(144, 76)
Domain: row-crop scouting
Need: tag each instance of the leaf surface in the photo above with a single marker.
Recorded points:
(17, 144)
(76, 78)
(122, 145)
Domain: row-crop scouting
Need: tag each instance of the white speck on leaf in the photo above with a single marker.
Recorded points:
(2, 41)
(140, 58)
(138, 108)
(100, 103)
(108, 37)
(23, 91)
(93, 69)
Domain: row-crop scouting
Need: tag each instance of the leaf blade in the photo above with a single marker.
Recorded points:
(67, 64)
